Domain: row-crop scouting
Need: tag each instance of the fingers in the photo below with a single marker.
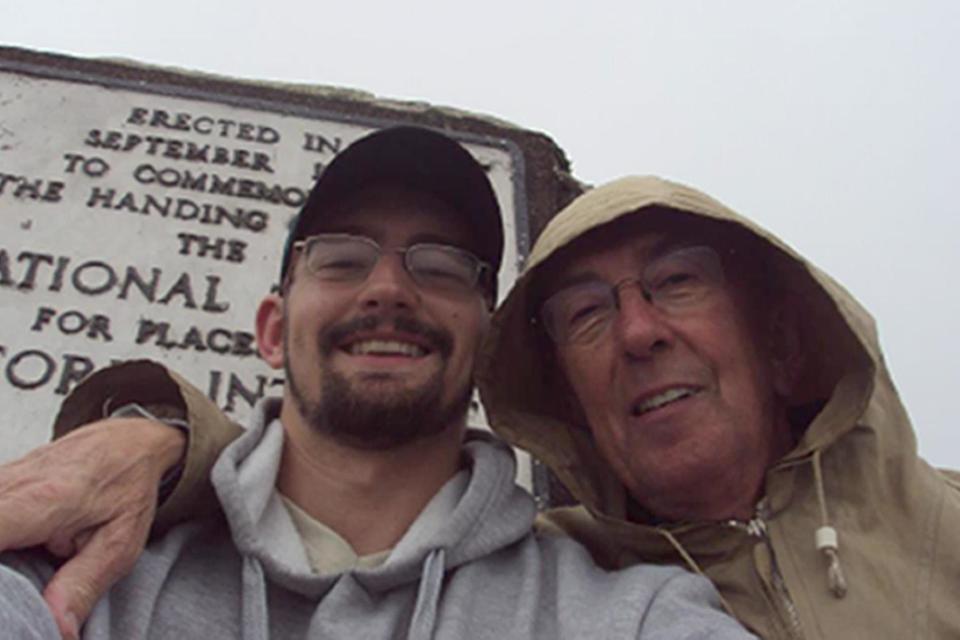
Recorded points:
(87, 478)
(108, 555)
(92, 493)
(63, 545)
(66, 621)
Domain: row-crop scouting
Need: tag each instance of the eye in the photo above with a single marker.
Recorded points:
(338, 263)
(442, 278)
(583, 312)
(588, 321)
(579, 313)
(674, 280)
(440, 266)
(436, 268)
(581, 304)
(337, 260)
(340, 259)
(684, 275)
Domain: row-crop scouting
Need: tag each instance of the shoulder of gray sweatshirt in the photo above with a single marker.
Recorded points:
(479, 573)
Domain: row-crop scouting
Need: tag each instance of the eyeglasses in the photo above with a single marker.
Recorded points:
(341, 257)
(675, 283)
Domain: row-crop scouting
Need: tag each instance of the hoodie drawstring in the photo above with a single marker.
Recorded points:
(425, 610)
(693, 565)
(826, 536)
(255, 621)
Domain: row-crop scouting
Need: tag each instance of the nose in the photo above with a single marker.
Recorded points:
(389, 287)
(640, 328)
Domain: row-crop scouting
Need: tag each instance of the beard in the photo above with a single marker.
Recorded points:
(372, 417)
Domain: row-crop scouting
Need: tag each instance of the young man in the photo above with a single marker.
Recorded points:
(358, 505)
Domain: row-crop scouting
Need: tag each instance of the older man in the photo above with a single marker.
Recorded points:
(358, 505)
(713, 400)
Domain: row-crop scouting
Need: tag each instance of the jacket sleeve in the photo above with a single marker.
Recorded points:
(167, 395)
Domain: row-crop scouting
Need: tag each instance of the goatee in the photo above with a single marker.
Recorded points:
(370, 417)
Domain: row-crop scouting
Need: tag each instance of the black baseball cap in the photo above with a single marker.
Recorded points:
(418, 158)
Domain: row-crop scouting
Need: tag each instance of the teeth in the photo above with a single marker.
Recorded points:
(661, 399)
(386, 348)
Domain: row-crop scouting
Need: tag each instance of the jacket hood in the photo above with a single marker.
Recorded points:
(843, 370)
(492, 513)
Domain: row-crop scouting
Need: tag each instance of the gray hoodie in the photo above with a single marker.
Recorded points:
(478, 573)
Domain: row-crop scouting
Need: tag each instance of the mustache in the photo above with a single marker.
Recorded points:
(439, 340)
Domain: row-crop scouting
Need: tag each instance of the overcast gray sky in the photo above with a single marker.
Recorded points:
(835, 124)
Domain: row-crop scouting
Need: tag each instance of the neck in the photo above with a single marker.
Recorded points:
(369, 497)
(727, 497)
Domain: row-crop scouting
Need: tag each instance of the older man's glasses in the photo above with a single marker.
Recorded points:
(675, 283)
(341, 257)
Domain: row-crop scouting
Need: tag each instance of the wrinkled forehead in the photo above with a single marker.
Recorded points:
(628, 242)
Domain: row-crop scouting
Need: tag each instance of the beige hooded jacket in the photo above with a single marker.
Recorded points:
(854, 474)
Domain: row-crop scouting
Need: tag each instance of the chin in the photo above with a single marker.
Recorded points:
(677, 469)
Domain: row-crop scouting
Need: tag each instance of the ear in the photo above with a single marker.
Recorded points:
(785, 347)
(270, 327)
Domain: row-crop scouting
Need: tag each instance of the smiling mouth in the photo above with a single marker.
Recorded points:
(388, 348)
(661, 400)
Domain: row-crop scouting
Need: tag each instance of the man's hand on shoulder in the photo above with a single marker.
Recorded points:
(90, 497)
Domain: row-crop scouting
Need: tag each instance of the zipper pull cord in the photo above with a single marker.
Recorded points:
(826, 538)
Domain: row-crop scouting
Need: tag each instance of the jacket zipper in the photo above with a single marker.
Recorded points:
(757, 528)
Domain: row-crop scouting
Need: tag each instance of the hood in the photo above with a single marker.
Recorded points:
(843, 371)
(491, 513)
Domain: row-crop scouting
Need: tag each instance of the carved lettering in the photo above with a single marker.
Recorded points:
(26, 188)
(204, 213)
(210, 302)
(214, 183)
(56, 282)
(92, 167)
(73, 322)
(97, 278)
(31, 369)
(216, 248)
(321, 144)
(94, 277)
(172, 148)
(204, 125)
(237, 389)
(5, 279)
(75, 369)
(182, 287)
(33, 260)
(147, 289)
(218, 340)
